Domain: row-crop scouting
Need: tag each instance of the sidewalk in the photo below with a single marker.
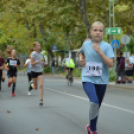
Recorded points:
(121, 86)
(110, 85)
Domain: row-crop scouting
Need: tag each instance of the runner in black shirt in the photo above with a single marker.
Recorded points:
(11, 66)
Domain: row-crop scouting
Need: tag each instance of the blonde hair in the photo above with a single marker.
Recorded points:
(31, 49)
(97, 23)
(35, 43)
(9, 50)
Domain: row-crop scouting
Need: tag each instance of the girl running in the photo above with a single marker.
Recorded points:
(11, 66)
(2, 63)
(95, 53)
(28, 65)
(37, 62)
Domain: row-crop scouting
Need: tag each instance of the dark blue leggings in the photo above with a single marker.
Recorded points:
(95, 93)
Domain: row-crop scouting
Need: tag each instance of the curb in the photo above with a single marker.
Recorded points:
(112, 86)
(121, 86)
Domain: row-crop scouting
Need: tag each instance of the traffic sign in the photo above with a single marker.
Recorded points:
(114, 30)
(115, 43)
(23, 56)
(125, 39)
(54, 47)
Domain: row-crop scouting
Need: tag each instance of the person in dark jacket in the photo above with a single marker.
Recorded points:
(120, 68)
(53, 64)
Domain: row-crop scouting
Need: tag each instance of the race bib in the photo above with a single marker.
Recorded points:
(93, 69)
(12, 62)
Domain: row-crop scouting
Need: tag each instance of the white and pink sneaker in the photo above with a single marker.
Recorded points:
(89, 131)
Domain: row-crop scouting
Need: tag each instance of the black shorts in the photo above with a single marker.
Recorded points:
(11, 74)
(36, 74)
(71, 69)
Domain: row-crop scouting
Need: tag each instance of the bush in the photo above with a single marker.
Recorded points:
(77, 72)
(112, 75)
(47, 70)
(59, 70)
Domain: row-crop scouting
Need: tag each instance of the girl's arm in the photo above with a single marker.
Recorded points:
(16, 65)
(2, 67)
(7, 64)
(6, 67)
(34, 63)
(107, 61)
(26, 64)
(82, 60)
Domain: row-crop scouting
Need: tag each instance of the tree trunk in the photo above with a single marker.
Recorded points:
(50, 52)
(28, 28)
(83, 9)
(42, 31)
(43, 35)
(68, 39)
(34, 31)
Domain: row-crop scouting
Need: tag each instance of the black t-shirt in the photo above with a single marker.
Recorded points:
(11, 62)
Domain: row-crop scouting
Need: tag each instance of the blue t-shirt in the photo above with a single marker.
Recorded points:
(92, 56)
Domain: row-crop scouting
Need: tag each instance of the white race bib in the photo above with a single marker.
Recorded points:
(12, 62)
(93, 69)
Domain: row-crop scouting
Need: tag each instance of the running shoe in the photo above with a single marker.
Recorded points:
(13, 94)
(29, 93)
(9, 84)
(88, 129)
(93, 133)
(31, 82)
(41, 103)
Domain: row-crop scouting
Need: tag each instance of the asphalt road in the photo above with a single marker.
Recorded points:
(65, 109)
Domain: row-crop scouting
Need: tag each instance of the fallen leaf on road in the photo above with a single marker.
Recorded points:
(37, 129)
(8, 111)
(0, 109)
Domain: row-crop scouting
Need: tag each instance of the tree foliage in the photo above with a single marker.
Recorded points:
(61, 22)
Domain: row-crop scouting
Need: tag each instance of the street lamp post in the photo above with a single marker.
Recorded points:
(112, 24)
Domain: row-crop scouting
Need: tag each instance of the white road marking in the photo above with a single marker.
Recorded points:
(86, 99)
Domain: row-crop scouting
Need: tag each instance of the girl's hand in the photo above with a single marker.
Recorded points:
(82, 60)
(41, 60)
(45, 64)
(97, 48)
(7, 68)
(16, 65)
